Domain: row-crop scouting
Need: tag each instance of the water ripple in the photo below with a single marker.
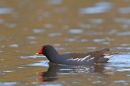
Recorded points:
(6, 10)
(85, 25)
(8, 83)
(34, 56)
(31, 37)
(14, 45)
(123, 33)
(122, 20)
(97, 21)
(7, 71)
(75, 31)
(124, 10)
(38, 30)
(100, 7)
(54, 2)
(54, 34)
(120, 63)
(40, 63)
(121, 58)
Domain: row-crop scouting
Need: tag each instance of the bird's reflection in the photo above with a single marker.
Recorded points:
(52, 73)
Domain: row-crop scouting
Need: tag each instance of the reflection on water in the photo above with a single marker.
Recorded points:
(54, 70)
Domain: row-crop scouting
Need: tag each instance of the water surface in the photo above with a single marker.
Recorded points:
(69, 26)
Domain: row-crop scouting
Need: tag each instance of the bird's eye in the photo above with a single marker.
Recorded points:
(45, 48)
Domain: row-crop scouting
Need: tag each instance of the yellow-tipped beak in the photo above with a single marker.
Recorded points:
(36, 53)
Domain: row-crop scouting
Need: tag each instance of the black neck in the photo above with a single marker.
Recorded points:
(51, 54)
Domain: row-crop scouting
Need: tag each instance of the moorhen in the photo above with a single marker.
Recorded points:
(89, 58)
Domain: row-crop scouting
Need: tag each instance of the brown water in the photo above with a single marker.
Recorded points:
(70, 26)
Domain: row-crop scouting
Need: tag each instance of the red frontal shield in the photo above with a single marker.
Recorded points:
(40, 51)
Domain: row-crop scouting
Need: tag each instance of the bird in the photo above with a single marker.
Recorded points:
(89, 58)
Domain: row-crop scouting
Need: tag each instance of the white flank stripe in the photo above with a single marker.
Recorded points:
(85, 58)
(92, 58)
(108, 56)
(80, 59)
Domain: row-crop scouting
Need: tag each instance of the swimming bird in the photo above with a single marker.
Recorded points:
(89, 58)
